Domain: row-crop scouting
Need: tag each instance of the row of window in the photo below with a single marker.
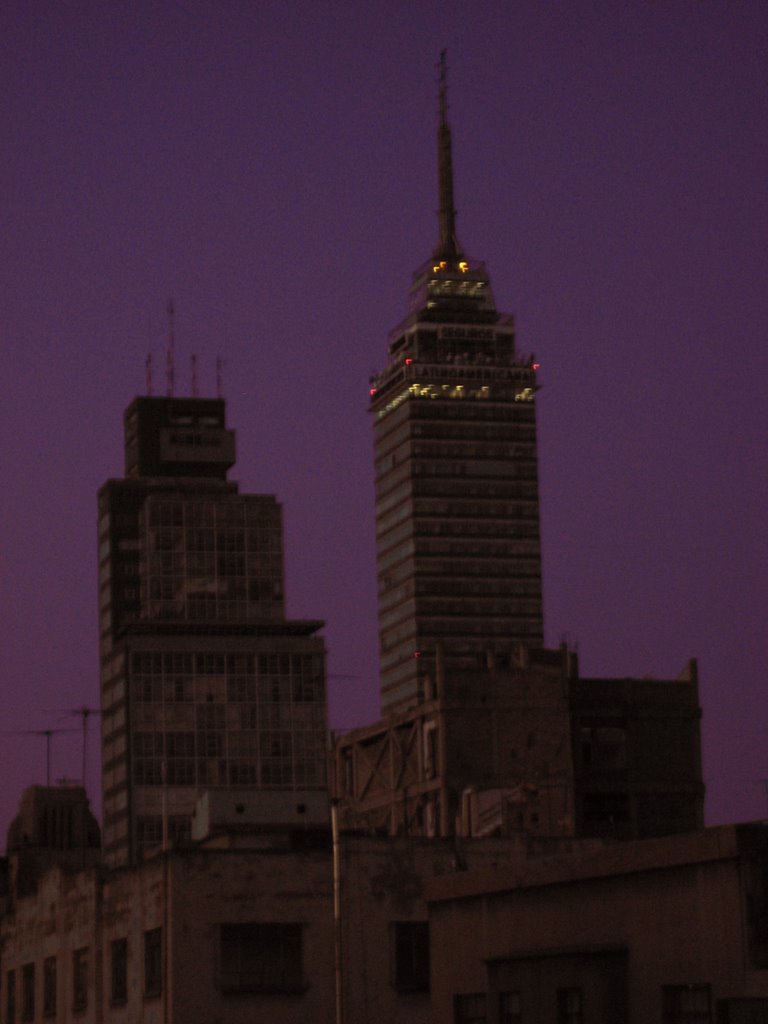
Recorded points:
(457, 510)
(21, 993)
(208, 540)
(253, 957)
(517, 430)
(241, 771)
(264, 514)
(442, 450)
(682, 1004)
(218, 664)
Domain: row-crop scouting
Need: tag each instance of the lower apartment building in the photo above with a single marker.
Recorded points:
(238, 926)
(671, 930)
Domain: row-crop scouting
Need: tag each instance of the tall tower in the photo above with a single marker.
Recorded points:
(204, 682)
(457, 502)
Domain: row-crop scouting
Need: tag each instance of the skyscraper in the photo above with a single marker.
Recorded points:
(204, 682)
(457, 503)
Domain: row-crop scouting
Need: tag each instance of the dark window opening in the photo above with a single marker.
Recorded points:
(687, 1004)
(10, 997)
(410, 956)
(469, 1008)
(49, 986)
(153, 962)
(80, 979)
(570, 1006)
(258, 957)
(509, 1008)
(28, 992)
(119, 963)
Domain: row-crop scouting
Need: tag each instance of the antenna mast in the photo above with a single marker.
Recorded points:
(219, 374)
(448, 246)
(170, 353)
(194, 375)
(148, 368)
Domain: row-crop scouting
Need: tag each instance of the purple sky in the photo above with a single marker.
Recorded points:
(271, 166)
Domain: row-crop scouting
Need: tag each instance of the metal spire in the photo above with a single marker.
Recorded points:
(448, 248)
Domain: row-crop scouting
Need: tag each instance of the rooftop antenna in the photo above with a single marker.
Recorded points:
(148, 368)
(42, 732)
(170, 354)
(219, 375)
(448, 247)
(84, 713)
(194, 376)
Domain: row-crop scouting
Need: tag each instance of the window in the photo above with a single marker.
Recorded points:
(742, 1011)
(10, 997)
(153, 962)
(80, 979)
(570, 1006)
(410, 956)
(469, 1008)
(259, 957)
(28, 992)
(49, 986)
(687, 1004)
(119, 961)
(509, 1008)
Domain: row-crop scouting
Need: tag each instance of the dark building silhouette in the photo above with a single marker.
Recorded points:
(54, 826)
(484, 732)
(205, 683)
(531, 750)
(457, 500)
(500, 847)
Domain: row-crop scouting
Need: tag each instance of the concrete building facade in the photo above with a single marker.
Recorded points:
(659, 931)
(533, 750)
(204, 681)
(257, 921)
(238, 927)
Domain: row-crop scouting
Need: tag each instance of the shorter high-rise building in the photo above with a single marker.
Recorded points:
(204, 681)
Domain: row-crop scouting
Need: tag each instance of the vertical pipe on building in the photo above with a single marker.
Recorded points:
(98, 942)
(165, 937)
(439, 669)
(337, 950)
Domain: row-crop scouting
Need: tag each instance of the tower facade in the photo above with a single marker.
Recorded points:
(204, 682)
(457, 502)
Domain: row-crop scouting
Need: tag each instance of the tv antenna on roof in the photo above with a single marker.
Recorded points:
(41, 732)
(148, 368)
(170, 356)
(219, 375)
(194, 375)
(84, 713)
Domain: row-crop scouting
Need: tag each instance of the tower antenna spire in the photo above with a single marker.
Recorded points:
(448, 247)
